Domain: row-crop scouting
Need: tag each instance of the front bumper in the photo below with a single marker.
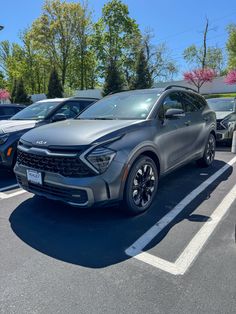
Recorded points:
(81, 192)
(223, 135)
(7, 153)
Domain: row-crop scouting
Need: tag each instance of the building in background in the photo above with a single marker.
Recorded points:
(218, 86)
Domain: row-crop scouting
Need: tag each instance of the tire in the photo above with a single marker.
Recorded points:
(209, 152)
(141, 186)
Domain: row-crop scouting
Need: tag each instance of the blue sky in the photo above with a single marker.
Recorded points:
(179, 23)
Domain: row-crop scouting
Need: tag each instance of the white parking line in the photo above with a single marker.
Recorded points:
(9, 187)
(190, 253)
(5, 195)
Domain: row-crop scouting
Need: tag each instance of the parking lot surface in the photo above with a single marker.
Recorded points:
(180, 257)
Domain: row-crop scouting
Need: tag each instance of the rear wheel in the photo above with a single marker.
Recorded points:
(209, 152)
(141, 186)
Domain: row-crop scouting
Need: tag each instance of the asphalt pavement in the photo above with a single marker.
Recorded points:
(179, 257)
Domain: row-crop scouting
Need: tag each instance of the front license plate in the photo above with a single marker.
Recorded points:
(34, 177)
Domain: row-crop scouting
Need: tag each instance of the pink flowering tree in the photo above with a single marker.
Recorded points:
(4, 95)
(199, 77)
(231, 77)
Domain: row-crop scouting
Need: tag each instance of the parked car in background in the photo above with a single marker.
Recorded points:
(118, 148)
(9, 110)
(40, 113)
(225, 109)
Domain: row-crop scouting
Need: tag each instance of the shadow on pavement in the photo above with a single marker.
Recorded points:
(98, 237)
(7, 177)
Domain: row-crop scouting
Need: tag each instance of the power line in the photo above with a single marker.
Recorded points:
(189, 30)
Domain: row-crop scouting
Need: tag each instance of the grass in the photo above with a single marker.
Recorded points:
(219, 95)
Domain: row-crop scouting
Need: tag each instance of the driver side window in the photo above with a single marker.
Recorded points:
(172, 101)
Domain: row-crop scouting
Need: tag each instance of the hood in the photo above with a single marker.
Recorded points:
(10, 126)
(77, 132)
(222, 114)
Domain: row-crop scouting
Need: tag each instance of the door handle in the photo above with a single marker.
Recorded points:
(187, 123)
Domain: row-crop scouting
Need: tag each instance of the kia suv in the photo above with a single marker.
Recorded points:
(118, 148)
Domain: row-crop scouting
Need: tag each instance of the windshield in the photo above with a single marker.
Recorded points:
(37, 111)
(127, 105)
(222, 104)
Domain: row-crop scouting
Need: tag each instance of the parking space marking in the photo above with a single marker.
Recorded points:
(190, 253)
(9, 187)
(136, 249)
(4, 196)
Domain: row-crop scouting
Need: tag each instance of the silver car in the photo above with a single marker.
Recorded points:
(118, 148)
(225, 109)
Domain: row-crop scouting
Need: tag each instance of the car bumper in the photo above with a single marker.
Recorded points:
(223, 135)
(7, 152)
(80, 192)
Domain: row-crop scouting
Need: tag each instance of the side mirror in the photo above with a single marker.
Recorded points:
(58, 117)
(174, 113)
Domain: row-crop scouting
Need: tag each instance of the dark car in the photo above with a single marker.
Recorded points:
(9, 110)
(118, 148)
(225, 109)
(40, 113)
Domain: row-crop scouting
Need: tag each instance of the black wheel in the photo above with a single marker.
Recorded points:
(209, 152)
(141, 186)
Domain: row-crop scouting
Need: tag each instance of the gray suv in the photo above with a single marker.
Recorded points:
(118, 148)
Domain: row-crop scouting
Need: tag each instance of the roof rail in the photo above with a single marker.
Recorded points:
(179, 86)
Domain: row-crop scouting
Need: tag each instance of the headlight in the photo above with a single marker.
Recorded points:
(3, 138)
(100, 158)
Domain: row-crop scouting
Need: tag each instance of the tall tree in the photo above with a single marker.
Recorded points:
(143, 77)
(231, 46)
(21, 95)
(117, 38)
(13, 91)
(59, 30)
(160, 63)
(54, 86)
(113, 78)
(205, 56)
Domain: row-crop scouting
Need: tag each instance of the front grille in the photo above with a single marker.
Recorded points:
(61, 193)
(219, 126)
(66, 166)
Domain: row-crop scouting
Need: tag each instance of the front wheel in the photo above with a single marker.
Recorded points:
(209, 152)
(141, 186)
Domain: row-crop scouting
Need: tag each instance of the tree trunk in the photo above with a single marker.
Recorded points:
(205, 44)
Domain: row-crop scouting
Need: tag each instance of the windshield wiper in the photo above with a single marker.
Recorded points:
(97, 118)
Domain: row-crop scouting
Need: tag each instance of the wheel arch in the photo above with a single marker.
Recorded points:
(148, 151)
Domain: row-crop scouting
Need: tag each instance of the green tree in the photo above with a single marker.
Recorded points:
(143, 76)
(160, 63)
(117, 38)
(21, 96)
(54, 86)
(113, 79)
(60, 31)
(13, 91)
(231, 46)
(204, 56)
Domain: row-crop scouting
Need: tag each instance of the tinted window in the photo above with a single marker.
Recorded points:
(190, 103)
(37, 111)
(8, 111)
(173, 101)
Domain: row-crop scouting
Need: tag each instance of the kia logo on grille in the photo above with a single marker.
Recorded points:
(41, 142)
